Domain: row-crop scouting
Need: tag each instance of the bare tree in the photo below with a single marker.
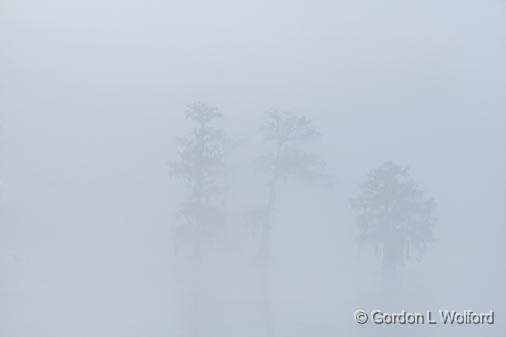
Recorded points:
(286, 132)
(393, 215)
(200, 164)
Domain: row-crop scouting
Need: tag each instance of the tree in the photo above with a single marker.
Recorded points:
(286, 132)
(200, 165)
(393, 215)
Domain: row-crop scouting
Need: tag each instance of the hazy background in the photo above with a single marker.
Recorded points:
(93, 96)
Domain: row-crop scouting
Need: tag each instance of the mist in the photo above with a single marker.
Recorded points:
(263, 169)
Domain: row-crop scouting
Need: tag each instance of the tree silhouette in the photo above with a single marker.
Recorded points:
(286, 132)
(200, 165)
(393, 215)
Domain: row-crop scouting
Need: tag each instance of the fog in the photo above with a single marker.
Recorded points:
(261, 168)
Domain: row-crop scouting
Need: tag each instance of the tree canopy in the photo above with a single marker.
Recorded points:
(393, 215)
